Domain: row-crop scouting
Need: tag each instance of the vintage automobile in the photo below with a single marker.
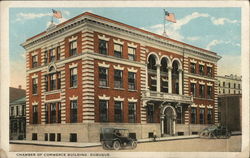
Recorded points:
(116, 138)
(215, 131)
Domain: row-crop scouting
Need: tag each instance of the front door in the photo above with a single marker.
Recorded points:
(168, 121)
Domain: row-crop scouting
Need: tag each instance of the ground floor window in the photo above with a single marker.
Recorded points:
(179, 114)
(202, 120)
(193, 115)
(150, 113)
(52, 137)
(118, 111)
(73, 137)
(103, 110)
(209, 116)
(73, 111)
(46, 137)
(131, 112)
(34, 136)
(58, 137)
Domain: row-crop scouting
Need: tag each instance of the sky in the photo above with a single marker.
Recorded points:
(215, 29)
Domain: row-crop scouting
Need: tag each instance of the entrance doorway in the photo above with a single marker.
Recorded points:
(168, 121)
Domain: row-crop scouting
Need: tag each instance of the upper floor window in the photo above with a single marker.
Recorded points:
(118, 79)
(193, 89)
(209, 71)
(46, 83)
(118, 50)
(52, 55)
(131, 53)
(193, 115)
(59, 81)
(223, 84)
(53, 81)
(103, 105)
(153, 83)
(17, 110)
(72, 48)
(234, 85)
(73, 77)
(103, 77)
(73, 111)
(103, 47)
(209, 92)
(201, 69)
(202, 91)
(131, 81)
(131, 112)
(46, 58)
(229, 85)
(12, 111)
(34, 61)
(23, 110)
(152, 63)
(35, 114)
(193, 68)
(164, 84)
(239, 86)
(58, 52)
(53, 113)
(34, 85)
(118, 111)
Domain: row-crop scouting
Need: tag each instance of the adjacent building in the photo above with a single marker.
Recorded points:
(229, 84)
(92, 72)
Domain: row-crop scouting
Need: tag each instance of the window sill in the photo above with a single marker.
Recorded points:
(35, 94)
(121, 89)
(53, 91)
(132, 90)
(103, 87)
(73, 87)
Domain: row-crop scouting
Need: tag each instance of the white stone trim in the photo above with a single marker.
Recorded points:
(153, 78)
(132, 99)
(103, 64)
(164, 79)
(73, 38)
(118, 67)
(201, 63)
(103, 37)
(53, 100)
(73, 97)
(34, 76)
(118, 41)
(193, 81)
(132, 70)
(34, 53)
(103, 97)
(201, 82)
(118, 98)
(194, 105)
(210, 107)
(132, 45)
(34, 103)
(209, 65)
(73, 65)
(193, 61)
(210, 84)
(201, 106)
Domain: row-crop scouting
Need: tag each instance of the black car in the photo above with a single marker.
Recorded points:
(215, 131)
(116, 138)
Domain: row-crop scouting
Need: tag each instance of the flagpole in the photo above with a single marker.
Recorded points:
(164, 21)
(52, 19)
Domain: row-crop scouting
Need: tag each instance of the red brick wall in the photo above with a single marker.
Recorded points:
(197, 66)
(52, 96)
(39, 54)
(79, 43)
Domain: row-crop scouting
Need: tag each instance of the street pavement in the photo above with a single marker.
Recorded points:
(181, 145)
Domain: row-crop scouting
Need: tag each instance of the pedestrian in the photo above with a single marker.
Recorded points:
(154, 135)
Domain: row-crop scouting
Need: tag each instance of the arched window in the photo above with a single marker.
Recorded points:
(175, 77)
(152, 74)
(164, 75)
(152, 62)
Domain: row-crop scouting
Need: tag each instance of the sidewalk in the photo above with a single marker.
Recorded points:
(86, 145)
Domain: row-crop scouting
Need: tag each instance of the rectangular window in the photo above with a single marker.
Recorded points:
(150, 114)
(53, 113)
(179, 114)
(52, 55)
(34, 85)
(223, 84)
(234, 85)
(201, 69)
(35, 114)
(52, 82)
(72, 48)
(103, 110)
(17, 110)
(118, 111)
(59, 113)
(34, 61)
(45, 136)
(58, 137)
(73, 137)
(193, 68)
(46, 113)
(46, 83)
(132, 112)
(103, 77)
(58, 53)
(23, 110)
(239, 86)
(193, 115)
(103, 47)
(46, 57)
(223, 91)
(34, 136)
(209, 92)
(118, 79)
(12, 111)
(73, 111)
(131, 53)
(193, 89)
(73, 77)
(164, 84)
(131, 80)
(52, 137)
(153, 83)
(202, 120)
(209, 116)
(118, 50)
(209, 71)
(202, 91)
(229, 85)
(59, 80)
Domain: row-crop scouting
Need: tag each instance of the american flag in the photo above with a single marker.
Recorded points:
(170, 17)
(57, 14)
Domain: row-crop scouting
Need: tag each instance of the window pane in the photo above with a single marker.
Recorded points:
(118, 112)
(103, 110)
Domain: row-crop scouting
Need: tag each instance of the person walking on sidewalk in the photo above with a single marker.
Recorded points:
(154, 135)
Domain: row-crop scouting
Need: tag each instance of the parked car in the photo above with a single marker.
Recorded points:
(215, 131)
(116, 138)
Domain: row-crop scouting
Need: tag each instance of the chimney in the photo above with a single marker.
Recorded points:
(19, 87)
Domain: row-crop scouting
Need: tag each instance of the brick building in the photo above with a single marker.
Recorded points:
(90, 72)
(229, 84)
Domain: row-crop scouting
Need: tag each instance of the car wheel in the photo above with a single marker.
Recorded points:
(228, 135)
(105, 146)
(116, 145)
(211, 135)
(134, 144)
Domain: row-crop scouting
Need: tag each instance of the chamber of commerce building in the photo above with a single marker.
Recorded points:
(92, 72)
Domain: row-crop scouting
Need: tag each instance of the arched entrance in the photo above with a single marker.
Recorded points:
(168, 117)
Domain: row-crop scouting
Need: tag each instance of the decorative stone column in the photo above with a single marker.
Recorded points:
(180, 82)
(162, 124)
(174, 121)
(169, 79)
(158, 81)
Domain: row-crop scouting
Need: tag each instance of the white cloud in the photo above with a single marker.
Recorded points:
(61, 20)
(29, 16)
(221, 21)
(193, 38)
(66, 12)
(213, 43)
(233, 61)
